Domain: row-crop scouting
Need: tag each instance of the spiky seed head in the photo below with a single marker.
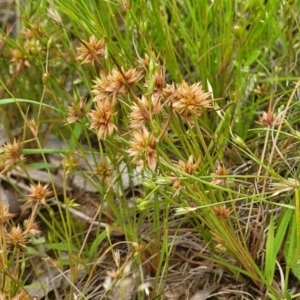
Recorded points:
(12, 153)
(39, 193)
(76, 111)
(17, 237)
(90, 51)
(191, 100)
(142, 147)
(5, 215)
(118, 81)
(221, 211)
(143, 109)
(101, 119)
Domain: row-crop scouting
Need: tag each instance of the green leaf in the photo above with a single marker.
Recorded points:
(252, 58)
(270, 253)
(42, 166)
(61, 247)
(15, 100)
(290, 247)
(95, 245)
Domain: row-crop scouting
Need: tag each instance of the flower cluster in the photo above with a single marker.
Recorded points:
(76, 111)
(39, 193)
(90, 51)
(190, 100)
(101, 119)
(188, 167)
(148, 109)
(142, 148)
(11, 154)
(142, 110)
(17, 236)
(118, 81)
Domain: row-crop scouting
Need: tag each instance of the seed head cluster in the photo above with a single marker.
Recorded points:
(76, 111)
(142, 148)
(191, 100)
(5, 215)
(188, 167)
(101, 119)
(17, 237)
(90, 51)
(269, 119)
(11, 154)
(145, 109)
(221, 211)
(39, 193)
(117, 81)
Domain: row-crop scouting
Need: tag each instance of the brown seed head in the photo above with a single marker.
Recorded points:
(101, 119)
(221, 211)
(268, 119)
(76, 111)
(5, 215)
(142, 111)
(99, 92)
(115, 82)
(19, 59)
(142, 147)
(17, 237)
(89, 52)
(39, 193)
(188, 167)
(13, 153)
(189, 100)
